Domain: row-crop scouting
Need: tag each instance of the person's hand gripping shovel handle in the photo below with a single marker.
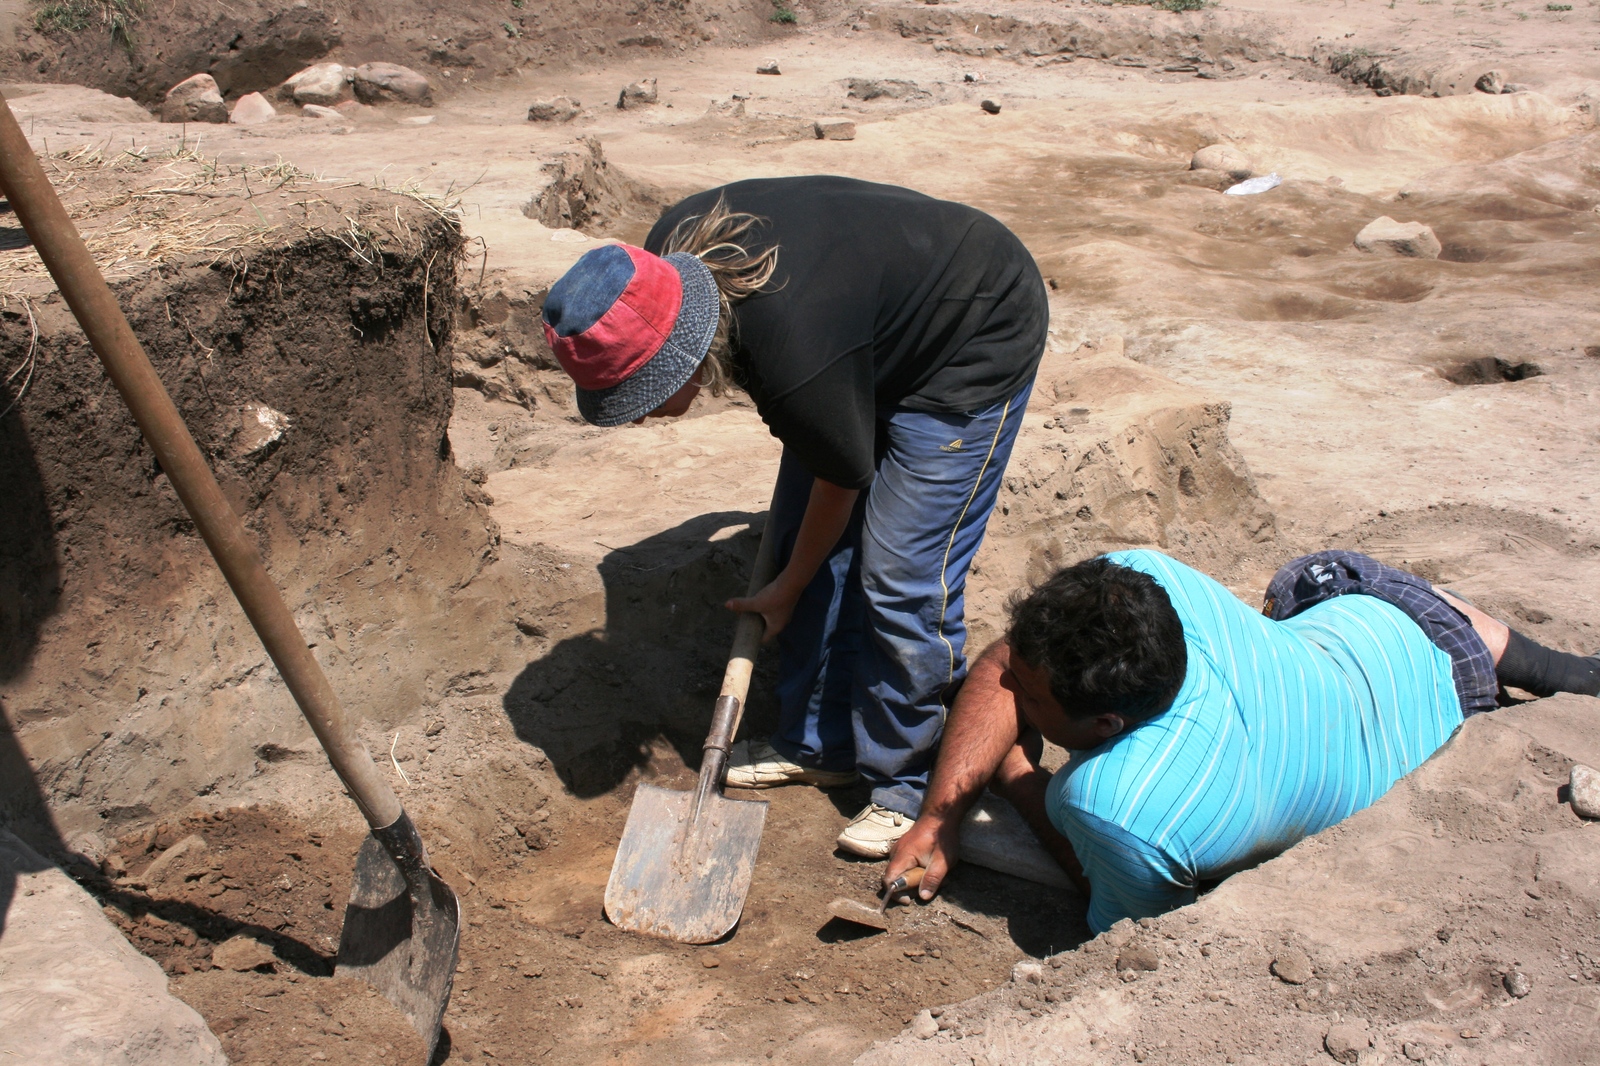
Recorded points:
(413, 966)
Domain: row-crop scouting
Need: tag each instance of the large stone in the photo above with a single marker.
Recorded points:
(1583, 791)
(195, 99)
(1385, 236)
(377, 83)
(641, 93)
(555, 109)
(252, 109)
(1224, 158)
(325, 84)
(72, 989)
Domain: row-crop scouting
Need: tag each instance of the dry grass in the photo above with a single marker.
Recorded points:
(178, 205)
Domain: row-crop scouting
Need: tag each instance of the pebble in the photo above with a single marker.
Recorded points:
(1492, 82)
(923, 1027)
(990, 106)
(1292, 967)
(1027, 972)
(1583, 791)
(1517, 984)
(710, 961)
(241, 953)
(1346, 1042)
(1385, 236)
(769, 66)
(641, 93)
(555, 109)
(1223, 158)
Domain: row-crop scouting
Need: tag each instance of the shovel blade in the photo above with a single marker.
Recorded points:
(403, 939)
(680, 876)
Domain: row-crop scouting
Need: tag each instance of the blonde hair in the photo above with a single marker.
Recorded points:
(717, 239)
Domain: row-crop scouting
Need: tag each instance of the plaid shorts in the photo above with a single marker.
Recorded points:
(1313, 578)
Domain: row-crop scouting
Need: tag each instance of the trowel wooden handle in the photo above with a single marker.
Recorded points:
(905, 882)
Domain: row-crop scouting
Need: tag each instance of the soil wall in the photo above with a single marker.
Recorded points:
(311, 361)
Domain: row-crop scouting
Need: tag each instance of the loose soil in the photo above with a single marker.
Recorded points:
(527, 610)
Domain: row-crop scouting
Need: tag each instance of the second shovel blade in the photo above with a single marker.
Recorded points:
(679, 876)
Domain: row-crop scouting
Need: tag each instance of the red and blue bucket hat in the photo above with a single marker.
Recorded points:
(630, 328)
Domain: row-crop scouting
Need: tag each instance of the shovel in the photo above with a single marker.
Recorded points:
(402, 928)
(684, 863)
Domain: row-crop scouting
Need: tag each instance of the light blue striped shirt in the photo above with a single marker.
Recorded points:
(1280, 730)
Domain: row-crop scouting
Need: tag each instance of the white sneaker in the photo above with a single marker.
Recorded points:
(754, 764)
(872, 833)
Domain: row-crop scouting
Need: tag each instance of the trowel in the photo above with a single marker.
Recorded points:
(853, 910)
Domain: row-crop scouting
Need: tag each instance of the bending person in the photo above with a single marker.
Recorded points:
(889, 340)
(1206, 737)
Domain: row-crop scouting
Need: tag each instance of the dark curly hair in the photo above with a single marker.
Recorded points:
(1108, 637)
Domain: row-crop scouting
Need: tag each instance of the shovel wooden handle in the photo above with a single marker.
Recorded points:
(67, 258)
(747, 634)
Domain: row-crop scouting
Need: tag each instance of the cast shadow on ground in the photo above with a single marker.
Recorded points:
(638, 693)
(30, 590)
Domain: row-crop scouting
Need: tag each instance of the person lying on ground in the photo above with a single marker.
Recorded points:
(1206, 737)
(889, 340)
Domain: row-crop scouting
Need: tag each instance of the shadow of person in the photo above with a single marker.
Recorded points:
(30, 591)
(638, 693)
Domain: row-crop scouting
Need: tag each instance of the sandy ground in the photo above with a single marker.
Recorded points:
(1346, 428)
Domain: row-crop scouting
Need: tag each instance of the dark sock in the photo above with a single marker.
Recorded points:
(1544, 671)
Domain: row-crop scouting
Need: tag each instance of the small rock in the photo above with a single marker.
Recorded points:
(1517, 984)
(1491, 81)
(1414, 1051)
(1121, 932)
(1224, 158)
(325, 84)
(189, 846)
(555, 109)
(1385, 236)
(1027, 972)
(884, 88)
(320, 112)
(835, 131)
(710, 961)
(923, 1027)
(641, 93)
(418, 120)
(990, 106)
(1138, 957)
(242, 953)
(195, 99)
(252, 109)
(376, 83)
(1292, 967)
(769, 66)
(1583, 791)
(1346, 1042)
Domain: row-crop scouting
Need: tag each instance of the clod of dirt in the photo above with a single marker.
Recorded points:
(1385, 236)
(991, 107)
(1292, 967)
(1489, 370)
(1346, 1042)
(195, 99)
(1138, 957)
(641, 93)
(242, 953)
(555, 109)
(1517, 984)
(1224, 158)
(1583, 791)
(835, 131)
